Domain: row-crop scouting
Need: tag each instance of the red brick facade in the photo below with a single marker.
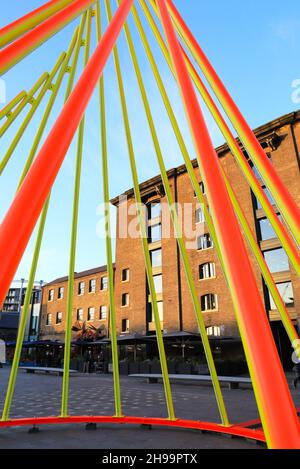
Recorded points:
(281, 140)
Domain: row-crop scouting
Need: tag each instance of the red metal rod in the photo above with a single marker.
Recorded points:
(280, 226)
(24, 211)
(256, 422)
(280, 422)
(26, 22)
(179, 423)
(285, 201)
(32, 39)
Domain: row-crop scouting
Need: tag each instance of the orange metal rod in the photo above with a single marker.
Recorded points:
(18, 27)
(14, 52)
(280, 193)
(279, 227)
(24, 211)
(280, 422)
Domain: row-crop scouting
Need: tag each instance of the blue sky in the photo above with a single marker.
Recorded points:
(254, 48)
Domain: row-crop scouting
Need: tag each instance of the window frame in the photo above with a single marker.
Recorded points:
(125, 295)
(127, 325)
(100, 313)
(49, 323)
(127, 276)
(80, 292)
(150, 238)
(77, 314)
(59, 296)
(57, 321)
(104, 284)
(207, 237)
(201, 218)
(210, 296)
(92, 285)
(51, 294)
(89, 319)
(211, 269)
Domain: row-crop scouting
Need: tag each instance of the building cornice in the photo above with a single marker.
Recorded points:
(263, 132)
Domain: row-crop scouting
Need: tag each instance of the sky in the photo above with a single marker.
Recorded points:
(254, 49)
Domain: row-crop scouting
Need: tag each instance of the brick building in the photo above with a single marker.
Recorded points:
(281, 141)
(90, 304)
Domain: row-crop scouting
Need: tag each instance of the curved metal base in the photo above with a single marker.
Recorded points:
(234, 430)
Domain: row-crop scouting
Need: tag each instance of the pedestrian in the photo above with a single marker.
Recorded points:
(87, 361)
(297, 373)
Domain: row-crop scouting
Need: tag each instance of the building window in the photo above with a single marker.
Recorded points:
(156, 258)
(158, 283)
(269, 196)
(49, 319)
(154, 233)
(199, 215)
(103, 312)
(207, 270)
(255, 171)
(91, 314)
(154, 210)
(60, 294)
(209, 302)
(51, 295)
(277, 260)
(79, 314)
(92, 285)
(213, 331)
(81, 288)
(125, 275)
(125, 299)
(125, 325)
(202, 188)
(160, 307)
(287, 294)
(58, 318)
(204, 242)
(103, 283)
(266, 229)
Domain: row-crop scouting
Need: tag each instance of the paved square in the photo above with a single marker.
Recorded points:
(39, 395)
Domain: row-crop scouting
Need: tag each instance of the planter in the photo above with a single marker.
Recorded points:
(134, 368)
(155, 367)
(184, 369)
(145, 368)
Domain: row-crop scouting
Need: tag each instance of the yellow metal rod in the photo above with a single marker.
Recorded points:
(29, 116)
(25, 310)
(143, 231)
(7, 110)
(28, 99)
(70, 294)
(278, 227)
(178, 232)
(285, 317)
(109, 258)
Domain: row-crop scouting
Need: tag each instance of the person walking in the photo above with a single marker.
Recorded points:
(87, 361)
(297, 373)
